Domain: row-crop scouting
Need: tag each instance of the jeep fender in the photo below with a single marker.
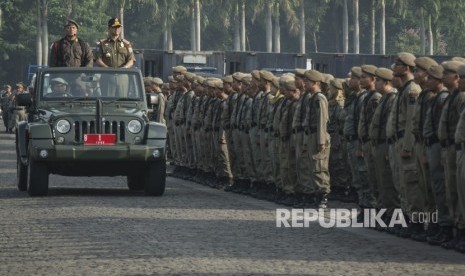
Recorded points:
(156, 135)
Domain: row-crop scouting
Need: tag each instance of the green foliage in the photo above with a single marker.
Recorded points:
(146, 21)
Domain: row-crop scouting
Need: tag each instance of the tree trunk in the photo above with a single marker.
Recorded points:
(430, 37)
(373, 26)
(277, 31)
(44, 27)
(121, 18)
(39, 34)
(237, 29)
(315, 42)
(193, 43)
(356, 28)
(302, 27)
(197, 25)
(422, 32)
(345, 28)
(243, 27)
(169, 38)
(1, 18)
(269, 28)
(382, 31)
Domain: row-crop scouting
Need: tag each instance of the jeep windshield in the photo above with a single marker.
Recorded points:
(81, 86)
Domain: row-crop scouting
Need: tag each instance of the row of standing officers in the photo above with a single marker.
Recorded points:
(395, 135)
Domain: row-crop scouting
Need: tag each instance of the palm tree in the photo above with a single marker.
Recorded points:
(302, 27)
(345, 28)
(382, 29)
(356, 27)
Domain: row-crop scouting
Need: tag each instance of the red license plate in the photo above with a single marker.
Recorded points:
(99, 139)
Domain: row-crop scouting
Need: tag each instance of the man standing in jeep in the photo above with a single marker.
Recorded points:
(71, 51)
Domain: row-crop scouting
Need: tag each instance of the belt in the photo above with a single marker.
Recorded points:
(379, 141)
(276, 135)
(447, 142)
(391, 141)
(285, 138)
(399, 134)
(253, 124)
(418, 138)
(365, 139)
(262, 126)
(310, 130)
(298, 129)
(216, 129)
(351, 138)
(268, 129)
(431, 140)
(460, 146)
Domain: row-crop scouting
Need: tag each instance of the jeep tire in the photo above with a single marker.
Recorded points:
(21, 174)
(136, 181)
(155, 178)
(37, 182)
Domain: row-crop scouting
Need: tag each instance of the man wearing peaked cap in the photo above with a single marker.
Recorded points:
(300, 78)
(402, 135)
(446, 133)
(114, 51)
(367, 109)
(71, 51)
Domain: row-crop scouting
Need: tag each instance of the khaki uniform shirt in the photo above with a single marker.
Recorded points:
(228, 110)
(285, 122)
(419, 112)
(460, 131)
(264, 109)
(318, 117)
(450, 115)
(301, 111)
(277, 115)
(377, 130)
(236, 110)
(369, 105)
(352, 112)
(403, 107)
(115, 53)
(253, 110)
(433, 112)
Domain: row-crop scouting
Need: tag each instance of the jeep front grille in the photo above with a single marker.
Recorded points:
(86, 127)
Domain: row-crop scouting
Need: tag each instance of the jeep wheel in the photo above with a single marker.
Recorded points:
(155, 178)
(136, 182)
(37, 184)
(21, 174)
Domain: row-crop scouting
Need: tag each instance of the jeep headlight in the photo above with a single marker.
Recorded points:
(63, 126)
(134, 126)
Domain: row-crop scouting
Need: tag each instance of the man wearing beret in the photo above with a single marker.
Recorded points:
(446, 134)
(354, 99)
(317, 138)
(422, 64)
(367, 109)
(388, 197)
(434, 84)
(71, 51)
(460, 147)
(287, 149)
(404, 139)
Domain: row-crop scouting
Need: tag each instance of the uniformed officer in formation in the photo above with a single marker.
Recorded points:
(5, 98)
(273, 137)
(17, 113)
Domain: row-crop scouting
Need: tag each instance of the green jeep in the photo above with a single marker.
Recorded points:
(89, 122)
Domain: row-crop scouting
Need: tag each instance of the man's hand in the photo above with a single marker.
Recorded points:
(405, 153)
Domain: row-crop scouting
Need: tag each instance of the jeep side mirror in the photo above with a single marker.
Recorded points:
(24, 99)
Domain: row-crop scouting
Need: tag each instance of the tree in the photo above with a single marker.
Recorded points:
(356, 27)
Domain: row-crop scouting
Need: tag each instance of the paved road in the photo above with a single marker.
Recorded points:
(95, 226)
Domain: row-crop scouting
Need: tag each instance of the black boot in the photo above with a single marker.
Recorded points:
(453, 242)
(322, 201)
(445, 234)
